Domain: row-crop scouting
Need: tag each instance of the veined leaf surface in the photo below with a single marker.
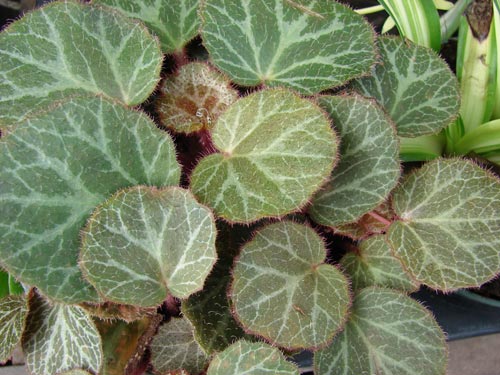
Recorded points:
(263, 41)
(175, 349)
(208, 310)
(13, 311)
(174, 22)
(251, 358)
(282, 289)
(144, 242)
(416, 87)
(55, 169)
(447, 235)
(60, 337)
(374, 264)
(276, 150)
(70, 48)
(387, 333)
(369, 161)
(194, 97)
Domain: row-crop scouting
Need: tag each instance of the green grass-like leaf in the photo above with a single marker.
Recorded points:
(447, 235)
(388, 333)
(69, 48)
(56, 168)
(282, 289)
(276, 150)
(143, 243)
(263, 41)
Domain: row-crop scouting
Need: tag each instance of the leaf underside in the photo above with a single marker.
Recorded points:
(447, 235)
(60, 337)
(263, 41)
(249, 358)
(414, 85)
(387, 333)
(13, 312)
(374, 264)
(369, 161)
(297, 303)
(144, 242)
(193, 98)
(55, 169)
(174, 349)
(276, 150)
(67, 49)
(174, 22)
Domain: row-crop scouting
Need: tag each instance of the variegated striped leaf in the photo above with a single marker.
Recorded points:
(447, 232)
(60, 337)
(415, 86)
(387, 333)
(70, 48)
(175, 349)
(369, 161)
(251, 358)
(283, 291)
(174, 22)
(144, 242)
(276, 150)
(13, 312)
(306, 45)
(75, 372)
(193, 98)
(55, 169)
(374, 264)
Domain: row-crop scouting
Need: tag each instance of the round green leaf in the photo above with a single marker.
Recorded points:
(263, 41)
(373, 264)
(282, 289)
(69, 48)
(60, 337)
(387, 333)
(55, 169)
(276, 150)
(174, 22)
(174, 349)
(414, 85)
(144, 242)
(194, 97)
(369, 161)
(251, 358)
(13, 312)
(447, 235)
